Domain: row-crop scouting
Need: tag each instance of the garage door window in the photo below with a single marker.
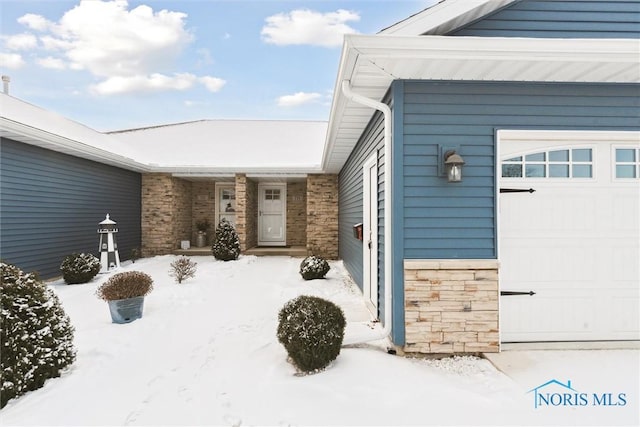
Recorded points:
(627, 163)
(565, 163)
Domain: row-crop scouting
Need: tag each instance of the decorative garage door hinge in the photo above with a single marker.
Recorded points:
(514, 293)
(517, 190)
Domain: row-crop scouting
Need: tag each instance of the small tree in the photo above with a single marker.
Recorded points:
(226, 246)
(182, 268)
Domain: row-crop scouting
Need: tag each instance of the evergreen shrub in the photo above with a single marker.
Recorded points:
(226, 245)
(36, 334)
(314, 267)
(311, 329)
(79, 268)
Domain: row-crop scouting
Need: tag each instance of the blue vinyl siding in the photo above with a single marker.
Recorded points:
(351, 198)
(560, 19)
(52, 203)
(457, 220)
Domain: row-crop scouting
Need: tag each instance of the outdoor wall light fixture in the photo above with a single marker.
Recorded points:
(453, 166)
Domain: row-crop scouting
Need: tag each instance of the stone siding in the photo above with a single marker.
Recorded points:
(166, 213)
(246, 211)
(322, 215)
(451, 306)
(297, 214)
(203, 207)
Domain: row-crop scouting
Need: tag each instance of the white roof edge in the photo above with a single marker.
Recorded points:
(444, 46)
(358, 47)
(445, 16)
(70, 146)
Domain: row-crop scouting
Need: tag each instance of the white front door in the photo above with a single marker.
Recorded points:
(272, 219)
(575, 241)
(370, 231)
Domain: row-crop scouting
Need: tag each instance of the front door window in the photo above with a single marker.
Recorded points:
(226, 204)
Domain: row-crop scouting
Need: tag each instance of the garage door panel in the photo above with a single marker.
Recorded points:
(576, 243)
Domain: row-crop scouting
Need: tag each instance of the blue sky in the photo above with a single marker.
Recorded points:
(124, 64)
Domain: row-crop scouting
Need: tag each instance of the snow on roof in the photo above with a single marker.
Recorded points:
(208, 146)
(25, 122)
(226, 145)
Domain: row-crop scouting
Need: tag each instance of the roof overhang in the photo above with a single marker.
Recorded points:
(372, 63)
(51, 141)
(445, 16)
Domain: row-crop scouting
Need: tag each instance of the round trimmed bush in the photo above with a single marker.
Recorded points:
(36, 334)
(128, 284)
(79, 268)
(314, 267)
(226, 246)
(311, 330)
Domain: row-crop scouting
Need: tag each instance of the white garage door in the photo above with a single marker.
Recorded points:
(574, 241)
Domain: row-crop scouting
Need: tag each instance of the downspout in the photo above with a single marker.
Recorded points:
(388, 206)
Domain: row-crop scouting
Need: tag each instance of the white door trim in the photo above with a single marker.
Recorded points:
(283, 194)
(370, 232)
(219, 186)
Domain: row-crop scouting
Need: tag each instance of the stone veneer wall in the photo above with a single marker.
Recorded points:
(246, 211)
(166, 213)
(252, 214)
(183, 209)
(203, 207)
(297, 214)
(322, 215)
(451, 306)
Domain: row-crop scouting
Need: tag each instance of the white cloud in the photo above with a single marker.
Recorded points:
(128, 50)
(213, 84)
(144, 84)
(22, 41)
(305, 26)
(298, 98)
(35, 22)
(11, 60)
(52, 63)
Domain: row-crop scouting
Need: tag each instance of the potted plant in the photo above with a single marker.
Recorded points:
(202, 226)
(125, 292)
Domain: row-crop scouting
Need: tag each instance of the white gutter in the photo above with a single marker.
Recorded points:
(388, 206)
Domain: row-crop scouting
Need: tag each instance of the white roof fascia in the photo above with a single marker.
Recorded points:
(445, 16)
(371, 62)
(41, 138)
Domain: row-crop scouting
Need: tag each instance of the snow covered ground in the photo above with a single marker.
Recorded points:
(205, 353)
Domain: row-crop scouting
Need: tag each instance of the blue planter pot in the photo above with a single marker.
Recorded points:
(126, 310)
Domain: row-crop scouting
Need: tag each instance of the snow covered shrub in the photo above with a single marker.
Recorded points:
(226, 246)
(311, 330)
(79, 268)
(129, 284)
(314, 267)
(36, 335)
(182, 268)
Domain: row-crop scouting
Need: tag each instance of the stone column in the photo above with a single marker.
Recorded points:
(322, 215)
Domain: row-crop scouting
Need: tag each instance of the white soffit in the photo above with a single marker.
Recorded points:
(445, 16)
(372, 63)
